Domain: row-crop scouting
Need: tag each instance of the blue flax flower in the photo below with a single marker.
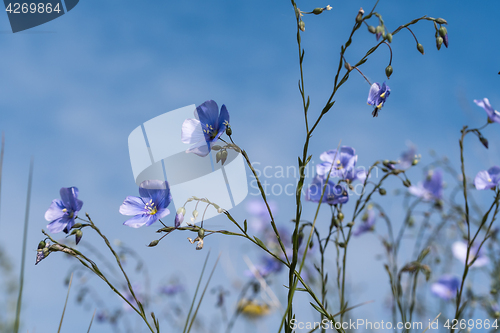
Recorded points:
(150, 206)
(431, 188)
(172, 289)
(406, 161)
(487, 179)
(446, 287)
(268, 266)
(493, 115)
(459, 250)
(377, 96)
(206, 129)
(334, 193)
(368, 222)
(344, 163)
(62, 212)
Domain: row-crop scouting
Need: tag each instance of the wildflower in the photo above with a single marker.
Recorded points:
(268, 266)
(62, 212)
(446, 287)
(368, 222)
(408, 159)
(172, 289)
(150, 206)
(459, 250)
(493, 115)
(487, 179)
(260, 215)
(334, 193)
(431, 188)
(377, 96)
(206, 129)
(343, 162)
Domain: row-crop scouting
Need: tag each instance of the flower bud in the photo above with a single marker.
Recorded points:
(220, 210)
(76, 225)
(216, 147)
(179, 218)
(341, 244)
(442, 31)
(153, 243)
(181, 210)
(195, 213)
(78, 236)
(420, 48)
(218, 156)
(41, 245)
(201, 233)
(318, 11)
(439, 42)
(302, 26)
(415, 162)
(484, 141)
(389, 37)
(223, 156)
(340, 216)
(441, 21)
(348, 66)
(372, 29)
(229, 131)
(388, 71)
(407, 183)
(359, 17)
(382, 191)
(350, 224)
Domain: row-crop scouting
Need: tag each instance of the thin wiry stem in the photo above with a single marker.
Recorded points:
(23, 254)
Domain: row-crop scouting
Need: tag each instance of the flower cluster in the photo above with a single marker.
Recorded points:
(336, 164)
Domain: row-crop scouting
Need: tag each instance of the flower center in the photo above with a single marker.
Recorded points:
(151, 208)
(382, 95)
(70, 213)
(339, 165)
(210, 131)
(489, 180)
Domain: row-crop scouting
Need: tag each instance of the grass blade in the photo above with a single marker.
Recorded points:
(195, 293)
(203, 294)
(65, 303)
(91, 320)
(23, 255)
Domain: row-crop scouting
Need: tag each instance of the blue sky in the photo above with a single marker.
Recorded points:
(73, 89)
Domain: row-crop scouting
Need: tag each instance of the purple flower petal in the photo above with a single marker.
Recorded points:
(446, 287)
(55, 210)
(132, 206)
(192, 131)
(223, 117)
(208, 112)
(493, 115)
(459, 250)
(138, 220)
(373, 93)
